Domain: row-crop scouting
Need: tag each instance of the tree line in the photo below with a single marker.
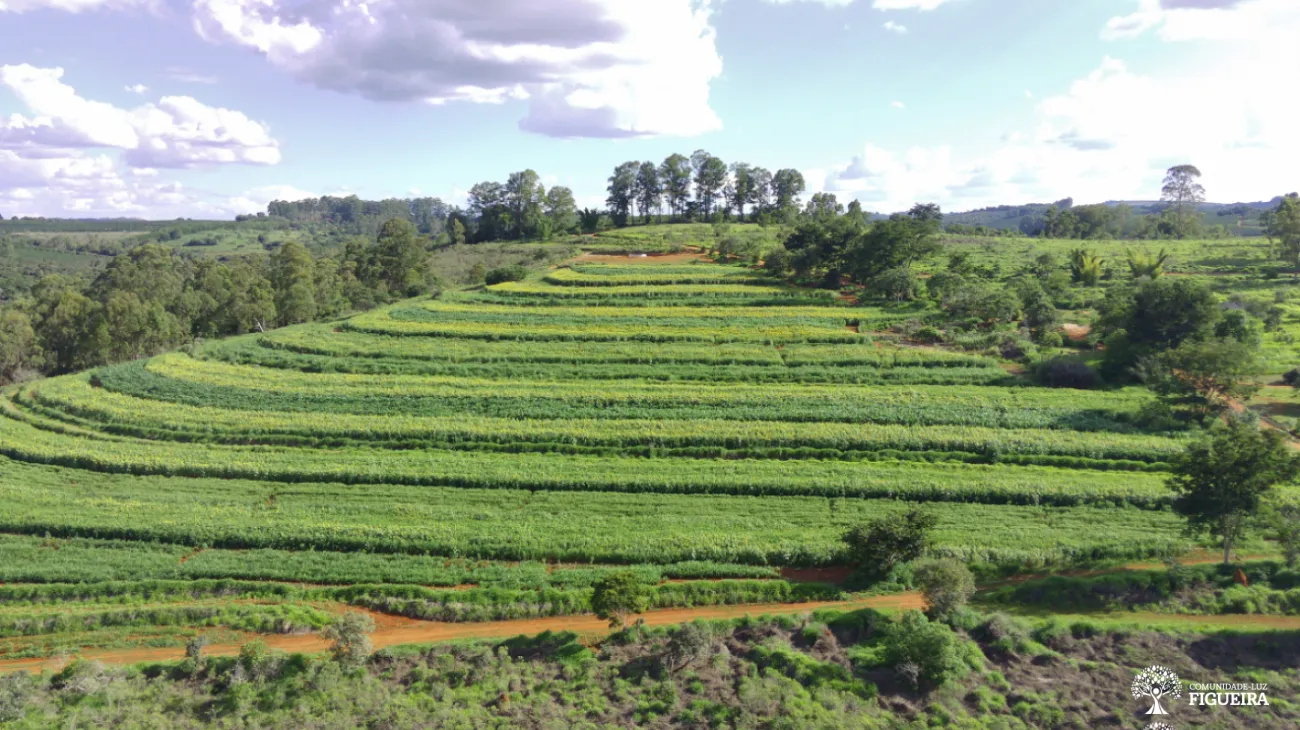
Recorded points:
(152, 299)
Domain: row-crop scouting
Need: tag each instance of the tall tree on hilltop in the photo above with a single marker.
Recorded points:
(647, 190)
(522, 196)
(1183, 191)
(561, 209)
(710, 177)
(760, 189)
(487, 204)
(742, 186)
(675, 181)
(621, 190)
(787, 186)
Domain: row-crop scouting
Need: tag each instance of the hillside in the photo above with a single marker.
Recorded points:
(454, 465)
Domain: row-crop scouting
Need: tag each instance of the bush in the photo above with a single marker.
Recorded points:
(924, 653)
(1066, 372)
(899, 284)
(1292, 378)
(618, 595)
(502, 274)
(927, 335)
(947, 585)
(877, 546)
(777, 262)
(1051, 338)
(16, 689)
(350, 635)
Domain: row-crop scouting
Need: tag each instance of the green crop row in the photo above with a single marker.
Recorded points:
(69, 446)
(265, 619)
(127, 415)
(412, 322)
(504, 524)
(32, 559)
(875, 371)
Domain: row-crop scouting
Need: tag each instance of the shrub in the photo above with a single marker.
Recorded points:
(16, 689)
(877, 546)
(947, 585)
(194, 647)
(1066, 372)
(618, 595)
(502, 274)
(924, 653)
(350, 635)
(688, 644)
(927, 335)
(477, 273)
(777, 262)
(1292, 378)
(899, 284)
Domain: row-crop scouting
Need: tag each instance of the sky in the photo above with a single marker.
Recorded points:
(212, 108)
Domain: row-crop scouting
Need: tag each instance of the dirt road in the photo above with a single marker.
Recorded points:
(394, 630)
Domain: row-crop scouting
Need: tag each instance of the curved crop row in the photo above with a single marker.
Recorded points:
(132, 416)
(933, 482)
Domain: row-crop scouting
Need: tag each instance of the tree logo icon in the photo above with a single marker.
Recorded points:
(1156, 682)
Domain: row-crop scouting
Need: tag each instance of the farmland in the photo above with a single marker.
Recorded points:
(492, 452)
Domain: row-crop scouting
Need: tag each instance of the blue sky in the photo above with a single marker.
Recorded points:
(214, 107)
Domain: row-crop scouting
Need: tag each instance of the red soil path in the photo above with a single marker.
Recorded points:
(394, 630)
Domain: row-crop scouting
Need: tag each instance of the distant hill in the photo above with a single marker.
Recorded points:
(1018, 216)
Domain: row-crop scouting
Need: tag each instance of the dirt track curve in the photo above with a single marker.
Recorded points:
(393, 630)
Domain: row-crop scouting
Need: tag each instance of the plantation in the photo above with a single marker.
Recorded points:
(494, 453)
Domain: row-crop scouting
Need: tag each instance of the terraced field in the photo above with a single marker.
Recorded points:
(691, 420)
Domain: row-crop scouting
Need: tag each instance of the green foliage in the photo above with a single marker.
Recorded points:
(878, 546)
(947, 585)
(1085, 267)
(1282, 520)
(350, 636)
(1205, 376)
(899, 284)
(1146, 264)
(925, 653)
(617, 596)
(505, 273)
(1224, 477)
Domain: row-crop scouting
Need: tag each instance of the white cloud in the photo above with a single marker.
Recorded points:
(588, 68)
(828, 3)
(907, 4)
(893, 27)
(1223, 20)
(898, 105)
(177, 131)
(71, 6)
(255, 200)
(877, 4)
(137, 88)
(188, 76)
(1109, 136)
